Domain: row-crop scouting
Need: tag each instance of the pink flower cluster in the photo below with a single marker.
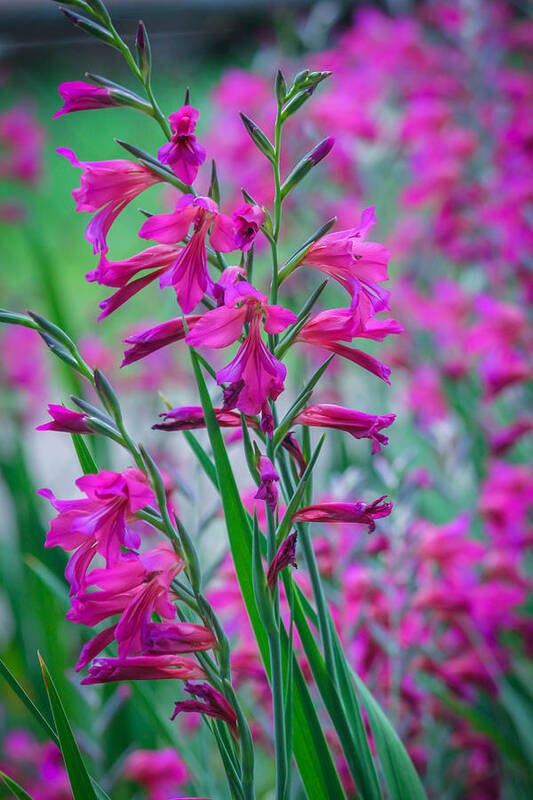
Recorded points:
(131, 587)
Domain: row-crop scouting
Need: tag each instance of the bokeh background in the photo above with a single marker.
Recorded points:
(430, 104)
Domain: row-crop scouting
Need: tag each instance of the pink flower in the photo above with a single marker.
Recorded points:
(326, 328)
(285, 556)
(267, 491)
(360, 425)
(358, 265)
(65, 420)
(183, 153)
(134, 587)
(21, 142)
(187, 418)
(99, 522)
(119, 273)
(214, 705)
(159, 771)
(107, 187)
(159, 336)
(81, 96)
(345, 512)
(247, 220)
(188, 274)
(175, 638)
(254, 374)
(143, 668)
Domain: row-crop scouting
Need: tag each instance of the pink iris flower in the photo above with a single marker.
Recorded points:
(100, 521)
(345, 512)
(254, 375)
(358, 265)
(81, 96)
(188, 274)
(183, 154)
(358, 424)
(107, 187)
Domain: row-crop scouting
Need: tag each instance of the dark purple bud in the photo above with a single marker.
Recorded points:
(321, 150)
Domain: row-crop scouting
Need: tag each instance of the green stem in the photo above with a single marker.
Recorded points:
(279, 715)
(304, 540)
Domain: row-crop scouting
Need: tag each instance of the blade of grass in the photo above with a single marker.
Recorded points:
(17, 790)
(28, 702)
(81, 782)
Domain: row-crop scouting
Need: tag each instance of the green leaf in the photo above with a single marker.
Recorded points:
(17, 790)
(87, 462)
(80, 780)
(28, 702)
(285, 524)
(205, 462)
(57, 588)
(311, 750)
(13, 318)
(153, 164)
(299, 404)
(303, 318)
(400, 775)
(355, 747)
(257, 136)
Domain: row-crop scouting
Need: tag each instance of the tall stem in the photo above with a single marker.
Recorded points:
(276, 680)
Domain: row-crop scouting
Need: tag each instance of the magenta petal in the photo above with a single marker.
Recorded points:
(217, 328)
(95, 646)
(278, 318)
(169, 228)
(223, 234)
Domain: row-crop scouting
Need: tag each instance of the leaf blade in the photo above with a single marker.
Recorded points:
(80, 780)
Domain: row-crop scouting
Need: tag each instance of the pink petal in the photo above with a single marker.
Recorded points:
(218, 328)
(223, 234)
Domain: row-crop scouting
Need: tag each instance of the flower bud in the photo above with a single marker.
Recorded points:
(175, 638)
(306, 165)
(258, 137)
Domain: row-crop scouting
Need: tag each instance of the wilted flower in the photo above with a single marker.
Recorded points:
(267, 491)
(285, 556)
(214, 704)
